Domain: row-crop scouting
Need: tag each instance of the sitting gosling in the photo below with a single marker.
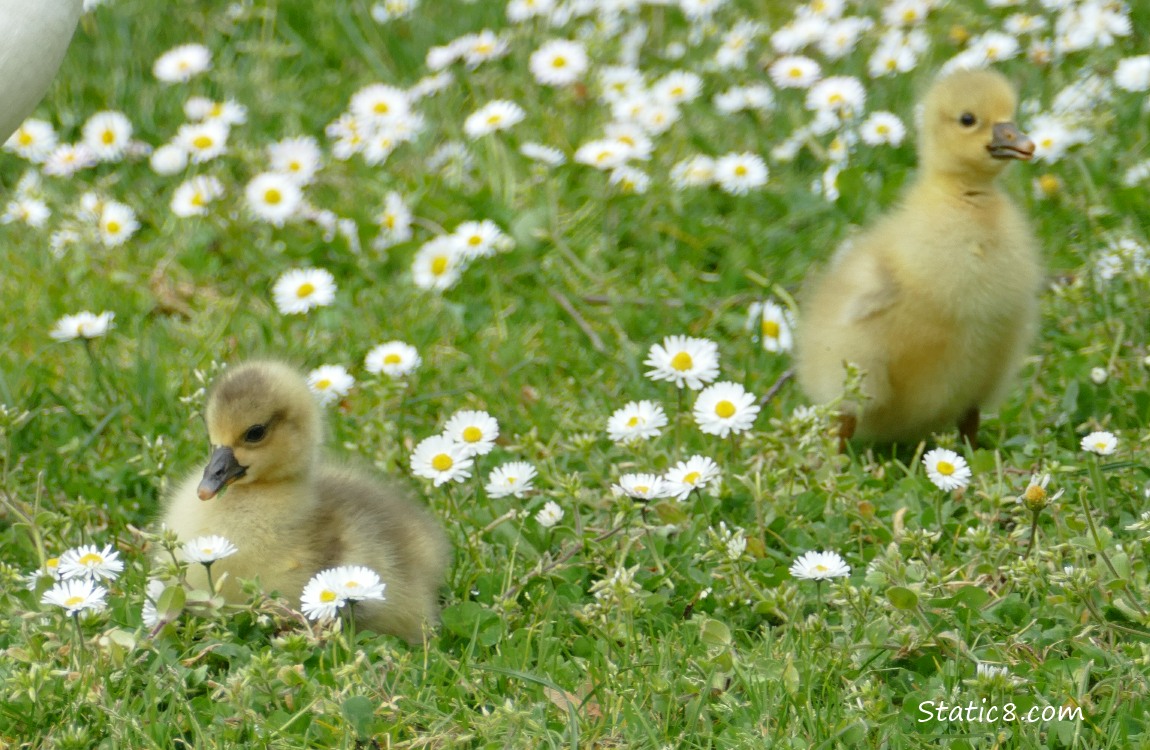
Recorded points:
(292, 514)
(938, 300)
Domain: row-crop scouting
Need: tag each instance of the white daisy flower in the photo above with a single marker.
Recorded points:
(693, 474)
(549, 515)
(192, 197)
(843, 95)
(739, 173)
(514, 478)
(107, 134)
(356, 583)
(1035, 497)
(88, 561)
(819, 566)
(548, 155)
(75, 596)
(392, 9)
(273, 197)
(882, 128)
(522, 10)
(34, 140)
(694, 171)
(50, 570)
(724, 408)
(558, 62)
(481, 239)
(27, 210)
(476, 431)
(438, 264)
(301, 289)
(394, 359)
(476, 49)
(380, 104)
(296, 158)
(619, 82)
(330, 383)
(794, 72)
(168, 159)
(1053, 136)
(1133, 73)
(643, 487)
(208, 549)
(203, 141)
(1101, 443)
(677, 87)
(629, 180)
(394, 222)
(181, 64)
(228, 112)
(117, 223)
(638, 420)
(321, 599)
(497, 115)
(605, 153)
(772, 324)
(67, 159)
(685, 361)
(152, 592)
(947, 469)
(441, 459)
(82, 325)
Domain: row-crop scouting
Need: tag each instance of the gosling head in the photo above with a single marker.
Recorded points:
(264, 426)
(968, 125)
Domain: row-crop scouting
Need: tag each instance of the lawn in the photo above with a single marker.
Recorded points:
(653, 171)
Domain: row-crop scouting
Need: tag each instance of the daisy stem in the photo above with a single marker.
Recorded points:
(1098, 543)
(211, 584)
(350, 631)
(97, 371)
(819, 592)
(1033, 533)
(78, 648)
(679, 421)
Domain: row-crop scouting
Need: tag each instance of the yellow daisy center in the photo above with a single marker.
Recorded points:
(682, 362)
(442, 462)
(323, 385)
(25, 138)
(795, 72)
(641, 489)
(1034, 493)
(472, 434)
(389, 221)
(559, 62)
(112, 227)
(216, 110)
(91, 559)
(207, 551)
(821, 568)
(73, 601)
(108, 137)
(882, 129)
(740, 170)
(691, 478)
(272, 196)
(494, 118)
(306, 289)
(835, 99)
(439, 265)
(946, 468)
(633, 422)
(474, 240)
(381, 108)
(197, 199)
(770, 329)
(392, 359)
(725, 409)
(327, 596)
(52, 562)
(1048, 183)
(677, 91)
(202, 142)
(352, 584)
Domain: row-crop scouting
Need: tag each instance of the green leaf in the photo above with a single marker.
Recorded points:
(171, 603)
(471, 619)
(902, 597)
(360, 713)
(715, 633)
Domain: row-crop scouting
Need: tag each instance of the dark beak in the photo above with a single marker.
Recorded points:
(223, 469)
(1008, 142)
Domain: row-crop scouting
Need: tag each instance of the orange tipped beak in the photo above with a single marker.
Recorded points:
(1008, 142)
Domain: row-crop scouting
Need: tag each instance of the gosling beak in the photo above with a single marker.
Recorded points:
(223, 469)
(1008, 142)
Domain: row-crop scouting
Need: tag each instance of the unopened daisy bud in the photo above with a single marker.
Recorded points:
(1099, 375)
(1035, 497)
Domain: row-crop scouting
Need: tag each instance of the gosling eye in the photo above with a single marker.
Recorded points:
(255, 433)
(967, 119)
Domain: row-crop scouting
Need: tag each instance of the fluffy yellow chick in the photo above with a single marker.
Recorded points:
(292, 513)
(938, 300)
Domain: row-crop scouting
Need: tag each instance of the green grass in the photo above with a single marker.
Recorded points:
(701, 651)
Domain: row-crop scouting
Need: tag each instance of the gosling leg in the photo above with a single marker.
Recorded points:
(847, 425)
(968, 427)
